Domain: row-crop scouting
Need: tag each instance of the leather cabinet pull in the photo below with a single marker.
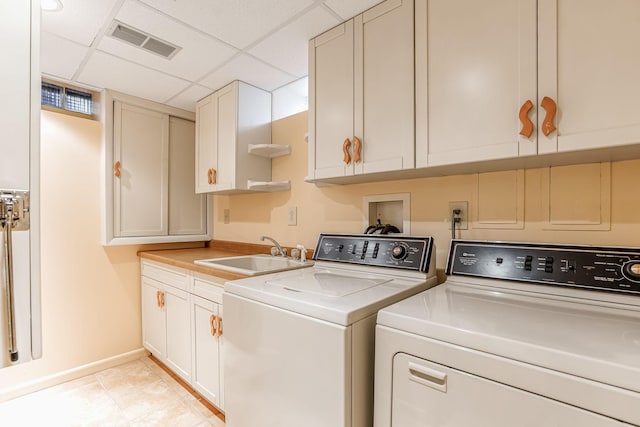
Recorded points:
(527, 124)
(356, 149)
(550, 107)
(345, 151)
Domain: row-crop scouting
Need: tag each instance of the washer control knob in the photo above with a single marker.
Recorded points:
(632, 270)
(399, 252)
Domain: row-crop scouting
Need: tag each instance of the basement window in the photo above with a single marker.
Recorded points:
(58, 97)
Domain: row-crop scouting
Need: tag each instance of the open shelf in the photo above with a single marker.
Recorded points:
(268, 185)
(269, 150)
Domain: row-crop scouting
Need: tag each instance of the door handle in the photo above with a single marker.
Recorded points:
(213, 324)
(116, 169)
(357, 146)
(219, 331)
(551, 108)
(428, 377)
(14, 216)
(527, 124)
(345, 150)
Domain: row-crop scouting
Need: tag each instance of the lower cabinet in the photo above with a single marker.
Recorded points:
(182, 325)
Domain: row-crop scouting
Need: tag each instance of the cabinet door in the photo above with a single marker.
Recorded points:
(141, 142)
(176, 306)
(206, 349)
(384, 95)
(589, 65)
(331, 101)
(227, 117)
(206, 142)
(187, 210)
(153, 318)
(476, 67)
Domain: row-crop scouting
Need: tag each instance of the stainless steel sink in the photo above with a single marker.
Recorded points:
(251, 265)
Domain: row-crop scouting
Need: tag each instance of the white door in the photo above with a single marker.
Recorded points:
(153, 318)
(384, 96)
(476, 68)
(176, 307)
(589, 65)
(187, 210)
(141, 142)
(206, 156)
(331, 102)
(227, 117)
(427, 394)
(19, 169)
(206, 349)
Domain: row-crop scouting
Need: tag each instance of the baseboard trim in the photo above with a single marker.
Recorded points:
(70, 374)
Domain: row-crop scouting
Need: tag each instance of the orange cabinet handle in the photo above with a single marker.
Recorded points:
(527, 124)
(161, 299)
(214, 174)
(357, 146)
(547, 124)
(209, 177)
(219, 333)
(212, 323)
(345, 150)
(116, 169)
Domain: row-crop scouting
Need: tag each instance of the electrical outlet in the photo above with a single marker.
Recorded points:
(292, 216)
(464, 214)
(226, 215)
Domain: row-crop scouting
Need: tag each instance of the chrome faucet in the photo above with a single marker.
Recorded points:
(282, 251)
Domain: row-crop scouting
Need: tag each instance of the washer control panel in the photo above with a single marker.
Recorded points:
(408, 253)
(612, 269)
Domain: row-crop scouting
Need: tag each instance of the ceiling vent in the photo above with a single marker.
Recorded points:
(143, 40)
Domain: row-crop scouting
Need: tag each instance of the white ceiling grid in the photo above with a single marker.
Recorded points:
(262, 42)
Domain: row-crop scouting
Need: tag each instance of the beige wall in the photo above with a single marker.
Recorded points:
(540, 205)
(90, 294)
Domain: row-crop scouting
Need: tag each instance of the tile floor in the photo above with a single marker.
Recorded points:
(137, 393)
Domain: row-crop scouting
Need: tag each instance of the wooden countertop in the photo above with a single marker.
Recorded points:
(184, 258)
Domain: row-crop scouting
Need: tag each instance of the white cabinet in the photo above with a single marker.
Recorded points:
(228, 121)
(182, 325)
(478, 65)
(140, 178)
(166, 322)
(149, 191)
(588, 65)
(361, 94)
(207, 339)
(475, 67)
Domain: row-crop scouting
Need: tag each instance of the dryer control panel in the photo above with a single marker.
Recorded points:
(600, 268)
(408, 253)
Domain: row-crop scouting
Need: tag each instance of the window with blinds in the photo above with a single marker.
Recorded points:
(66, 98)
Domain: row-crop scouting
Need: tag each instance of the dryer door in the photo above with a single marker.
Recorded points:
(427, 394)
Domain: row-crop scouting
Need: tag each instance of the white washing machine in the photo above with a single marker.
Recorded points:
(523, 335)
(299, 345)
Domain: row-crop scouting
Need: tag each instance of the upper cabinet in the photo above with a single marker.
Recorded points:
(149, 190)
(229, 122)
(588, 65)
(475, 68)
(361, 94)
(502, 79)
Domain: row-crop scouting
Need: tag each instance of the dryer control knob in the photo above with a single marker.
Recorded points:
(632, 270)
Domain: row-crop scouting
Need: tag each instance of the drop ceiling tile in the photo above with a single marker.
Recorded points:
(238, 23)
(349, 9)
(288, 48)
(198, 55)
(249, 70)
(53, 63)
(79, 20)
(107, 71)
(188, 98)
